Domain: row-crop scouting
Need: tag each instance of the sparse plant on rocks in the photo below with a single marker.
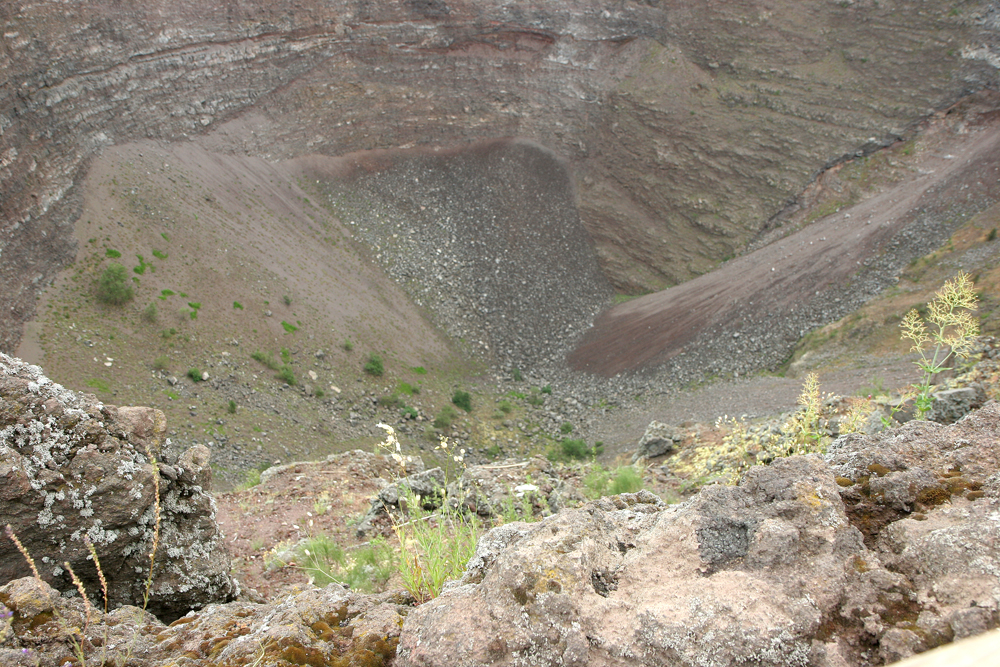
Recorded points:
(948, 329)
(149, 312)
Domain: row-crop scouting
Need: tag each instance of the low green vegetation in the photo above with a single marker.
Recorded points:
(374, 365)
(231, 407)
(571, 449)
(113, 287)
(266, 359)
(287, 375)
(462, 399)
(367, 568)
(195, 374)
(289, 328)
(445, 417)
(237, 305)
(601, 481)
(149, 313)
(159, 254)
(99, 385)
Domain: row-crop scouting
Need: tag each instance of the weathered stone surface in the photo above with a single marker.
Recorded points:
(777, 571)
(659, 439)
(951, 405)
(316, 627)
(72, 468)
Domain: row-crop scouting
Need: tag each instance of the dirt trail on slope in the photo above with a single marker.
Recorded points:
(774, 295)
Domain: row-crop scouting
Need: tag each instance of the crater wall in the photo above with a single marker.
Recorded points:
(687, 125)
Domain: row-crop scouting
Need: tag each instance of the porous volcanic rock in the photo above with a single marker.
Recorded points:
(328, 626)
(72, 468)
(772, 572)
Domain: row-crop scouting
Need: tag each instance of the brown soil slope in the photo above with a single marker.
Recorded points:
(757, 305)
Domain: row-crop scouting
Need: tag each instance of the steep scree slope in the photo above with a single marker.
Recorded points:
(689, 124)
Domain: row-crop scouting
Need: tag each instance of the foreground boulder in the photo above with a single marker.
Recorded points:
(773, 572)
(73, 470)
(328, 626)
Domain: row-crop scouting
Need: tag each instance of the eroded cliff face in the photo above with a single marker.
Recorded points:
(688, 125)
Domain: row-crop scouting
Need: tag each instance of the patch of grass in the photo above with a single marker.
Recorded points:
(113, 254)
(319, 393)
(237, 305)
(168, 333)
(569, 449)
(287, 299)
(462, 399)
(566, 428)
(289, 328)
(409, 412)
(99, 385)
(366, 569)
(626, 479)
(408, 389)
(140, 269)
(547, 389)
(161, 363)
(173, 396)
(374, 365)
(286, 355)
(167, 292)
(285, 374)
(393, 401)
(113, 287)
(505, 407)
(419, 370)
(445, 417)
(231, 408)
(348, 346)
(159, 255)
(516, 374)
(992, 235)
(265, 359)
(194, 374)
(149, 313)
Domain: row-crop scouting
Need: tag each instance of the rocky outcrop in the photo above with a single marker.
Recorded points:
(658, 439)
(74, 470)
(688, 125)
(878, 552)
(329, 626)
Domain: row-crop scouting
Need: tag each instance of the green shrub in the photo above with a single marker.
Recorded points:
(286, 375)
(319, 393)
(445, 417)
(231, 408)
(159, 255)
(595, 482)
(505, 407)
(626, 480)
(409, 412)
(113, 287)
(149, 313)
(286, 355)
(547, 389)
(161, 363)
(141, 268)
(992, 235)
(194, 305)
(392, 401)
(565, 428)
(287, 299)
(265, 359)
(237, 305)
(348, 346)
(462, 399)
(374, 366)
(194, 374)
(536, 399)
(419, 370)
(289, 328)
(167, 292)
(569, 449)
(113, 254)
(516, 374)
